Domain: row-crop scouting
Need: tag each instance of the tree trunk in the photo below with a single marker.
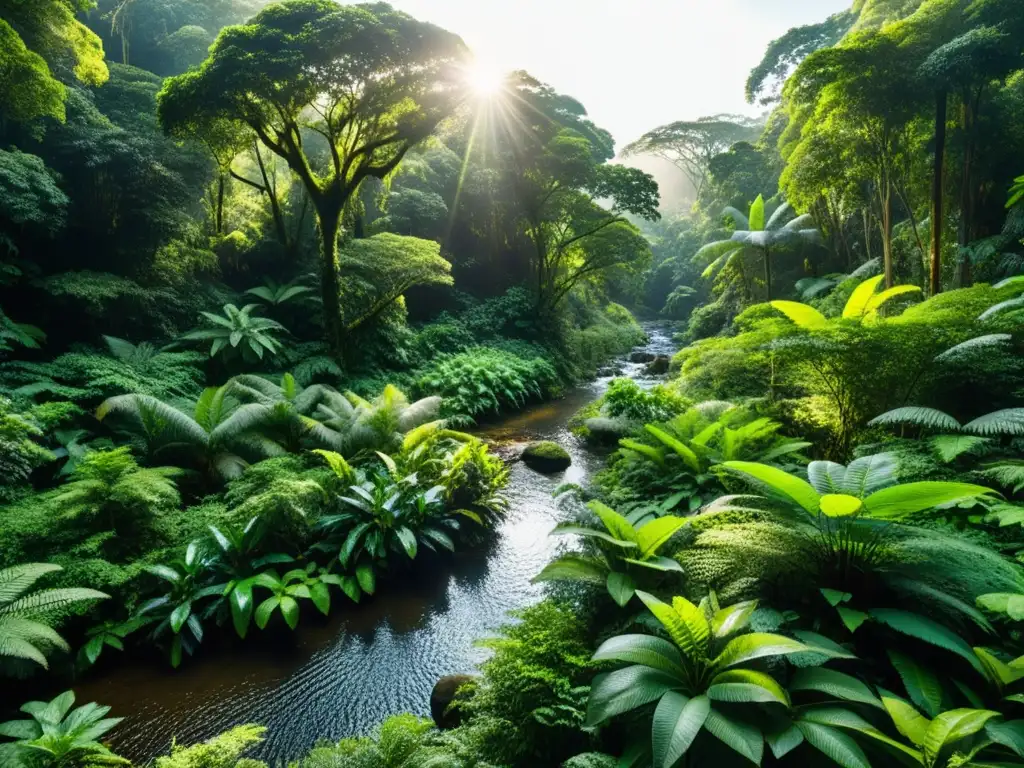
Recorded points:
(885, 198)
(329, 220)
(963, 263)
(768, 273)
(220, 204)
(935, 270)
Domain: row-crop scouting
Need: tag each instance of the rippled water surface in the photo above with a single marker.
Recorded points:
(342, 677)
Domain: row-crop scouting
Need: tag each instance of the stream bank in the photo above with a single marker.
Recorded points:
(343, 676)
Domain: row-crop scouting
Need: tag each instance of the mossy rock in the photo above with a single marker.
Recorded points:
(546, 457)
(449, 690)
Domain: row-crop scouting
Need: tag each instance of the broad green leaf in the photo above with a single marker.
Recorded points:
(857, 304)
(802, 315)
(1003, 602)
(648, 650)
(621, 587)
(684, 622)
(839, 505)
(180, 615)
(573, 568)
(241, 602)
(1001, 673)
(875, 302)
(617, 525)
(922, 686)
(834, 596)
(590, 533)
(756, 645)
(290, 611)
(681, 449)
(653, 535)
(778, 482)
(741, 737)
(408, 540)
(264, 611)
(732, 619)
(1010, 734)
(907, 720)
(626, 689)
(833, 683)
(663, 564)
(784, 741)
(953, 726)
(756, 219)
(647, 451)
(926, 629)
(820, 644)
(367, 578)
(677, 721)
(746, 685)
(852, 618)
(835, 744)
(899, 501)
(320, 594)
(846, 719)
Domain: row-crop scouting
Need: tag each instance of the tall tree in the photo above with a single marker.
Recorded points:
(690, 146)
(785, 53)
(859, 99)
(555, 166)
(364, 83)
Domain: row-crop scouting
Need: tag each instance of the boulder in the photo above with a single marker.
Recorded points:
(546, 457)
(642, 357)
(446, 691)
(658, 366)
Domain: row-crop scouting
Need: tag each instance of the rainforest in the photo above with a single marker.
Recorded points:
(495, 385)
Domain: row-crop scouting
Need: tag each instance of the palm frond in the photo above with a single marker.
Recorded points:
(738, 217)
(419, 413)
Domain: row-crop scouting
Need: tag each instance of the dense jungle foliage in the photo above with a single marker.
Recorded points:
(264, 267)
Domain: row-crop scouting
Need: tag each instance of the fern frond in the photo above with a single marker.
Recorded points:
(419, 413)
(929, 418)
(14, 581)
(415, 437)
(49, 600)
(973, 345)
(1003, 306)
(951, 447)
(1006, 422)
(646, 451)
(1009, 474)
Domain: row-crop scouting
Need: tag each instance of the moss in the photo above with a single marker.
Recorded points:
(546, 456)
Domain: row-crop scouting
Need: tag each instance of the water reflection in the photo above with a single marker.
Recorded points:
(344, 675)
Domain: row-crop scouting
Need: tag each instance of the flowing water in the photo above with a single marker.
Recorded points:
(342, 676)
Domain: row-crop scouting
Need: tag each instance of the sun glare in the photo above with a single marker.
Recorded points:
(484, 80)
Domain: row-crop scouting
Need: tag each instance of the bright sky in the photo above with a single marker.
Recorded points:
(634, 64)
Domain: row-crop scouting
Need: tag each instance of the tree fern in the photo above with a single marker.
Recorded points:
(951, 447)
(917, 416)
(965, 349)
(1008, 474)
(24, 633)
(1006, 422)
(1003, 306)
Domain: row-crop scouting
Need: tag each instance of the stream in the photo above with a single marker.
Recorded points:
(344, 675)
